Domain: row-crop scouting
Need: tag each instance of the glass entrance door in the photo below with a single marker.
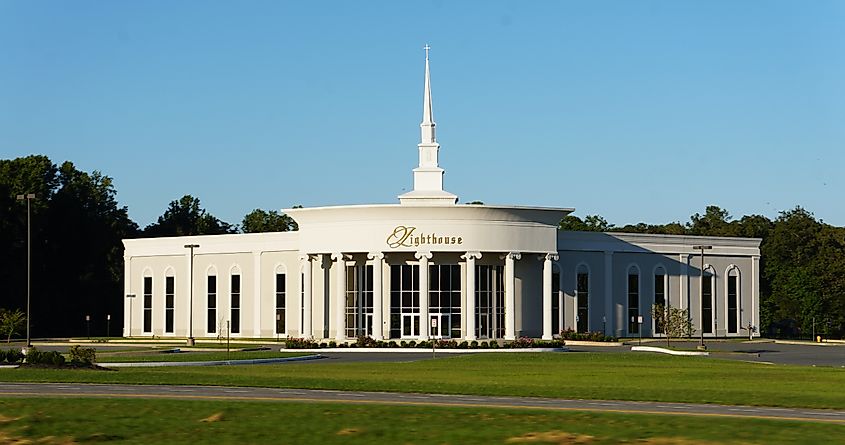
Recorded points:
(440, 325)
(410, 325)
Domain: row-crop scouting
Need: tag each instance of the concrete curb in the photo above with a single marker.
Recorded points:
(668, 351)
(593, 343)
(807, 343)
(257, 361)
(426, 350)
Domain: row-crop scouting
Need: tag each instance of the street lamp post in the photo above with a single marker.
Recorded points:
(191, 340)
(702, 248)
(28, 197)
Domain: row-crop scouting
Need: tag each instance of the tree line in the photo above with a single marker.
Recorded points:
(77, 254)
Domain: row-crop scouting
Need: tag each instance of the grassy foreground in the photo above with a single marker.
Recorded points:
(614, 376)
(148, 356)
(61, 421)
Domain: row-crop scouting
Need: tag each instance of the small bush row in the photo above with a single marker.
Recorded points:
(369, 342)
(11, 356)
(569, 334)
(79, 356)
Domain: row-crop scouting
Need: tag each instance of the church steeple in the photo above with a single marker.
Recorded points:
(428, 177)
(427, 125)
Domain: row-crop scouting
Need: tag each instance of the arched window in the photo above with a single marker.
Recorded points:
(211, 300)
(707, 298)
(169, 300)
(732, 294)
(582, 298)
(660, 297)
(148, 301)
(235, 300)
(556, 319)
(633, 299)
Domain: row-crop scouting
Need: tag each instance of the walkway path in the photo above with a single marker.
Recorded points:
(305, 395)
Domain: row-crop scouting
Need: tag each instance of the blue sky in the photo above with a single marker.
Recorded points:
(639, 111)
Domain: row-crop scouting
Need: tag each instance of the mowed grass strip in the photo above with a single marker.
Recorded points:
(614, 376)
(193, 356)
(55, 421)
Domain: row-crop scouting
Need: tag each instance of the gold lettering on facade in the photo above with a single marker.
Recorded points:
(405, 236)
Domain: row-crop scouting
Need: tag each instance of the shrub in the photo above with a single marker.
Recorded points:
(332, 344)
(365, 341)
(300, 343)
(82, 356)
(473, 344)
(569, 334)
(463, 345)
(36, 357)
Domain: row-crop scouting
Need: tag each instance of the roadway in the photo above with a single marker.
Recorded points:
(73, 390)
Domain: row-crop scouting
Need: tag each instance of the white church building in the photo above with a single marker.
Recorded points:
(429, 267)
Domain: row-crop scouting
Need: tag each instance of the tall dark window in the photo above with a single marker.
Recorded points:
(280, 303)
(707, 303)
(148, 304)
(404, 300)
(733, 309)
(211, 289)
(633, 302)
(490, 301)
(444, 290)
(359, 300)
(583, 298)
(169, 294)
(235, 308)
(659, 298)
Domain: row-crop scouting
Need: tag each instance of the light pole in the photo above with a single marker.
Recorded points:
(108, 326)
(191, 340)
(28, 197)
(131, 298)
(701, 294)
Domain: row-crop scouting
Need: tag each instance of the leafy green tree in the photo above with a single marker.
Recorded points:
(590, 223)
(259, 220)
(77, 228)
(11, 322)
(186, 217)
(714, 222)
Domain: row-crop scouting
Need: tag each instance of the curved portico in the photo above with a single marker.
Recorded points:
(478, 247)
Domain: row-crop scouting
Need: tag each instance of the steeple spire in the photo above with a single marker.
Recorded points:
(428, 177)
(427, 125)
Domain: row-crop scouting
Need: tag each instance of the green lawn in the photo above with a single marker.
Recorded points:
(563, 375)
(152, 356)
(59, 421)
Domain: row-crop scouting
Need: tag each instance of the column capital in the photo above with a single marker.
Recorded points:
(608, 253)
(304, 258)
(549, 257)
(512, 256)
(471, 255)
(378, 256)
(423, 254)
(338, 256)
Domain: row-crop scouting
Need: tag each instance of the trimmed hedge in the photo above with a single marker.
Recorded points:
(369, 342)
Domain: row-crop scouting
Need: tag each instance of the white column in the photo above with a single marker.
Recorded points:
(755, 292)
(510, 295)
(469, 294)
(197, 291)
(128, 303)
(684, 291)
(256, 277)
(547, 294)
(378, 317)
(609, 316)
(306, 331)
(340, 297)
(424, 321)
